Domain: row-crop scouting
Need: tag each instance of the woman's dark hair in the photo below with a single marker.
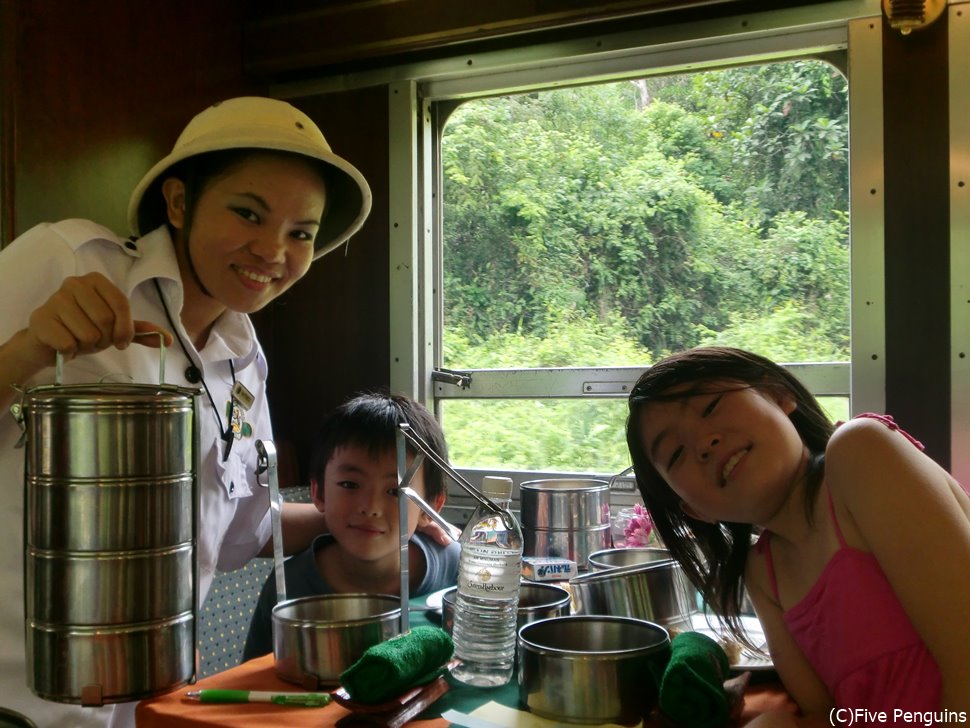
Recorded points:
(197, 173)
(371, 421)
(713, 555)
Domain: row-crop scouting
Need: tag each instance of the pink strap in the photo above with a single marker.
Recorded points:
(764, 541)
(835, 521)
(764, 547)
(889, 422)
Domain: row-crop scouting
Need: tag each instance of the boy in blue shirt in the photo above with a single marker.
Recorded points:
(354, 482)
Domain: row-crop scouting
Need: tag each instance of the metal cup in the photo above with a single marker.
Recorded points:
(658, 592)
(317, 638)
(591, 669)
(565, 504)
(568, 518)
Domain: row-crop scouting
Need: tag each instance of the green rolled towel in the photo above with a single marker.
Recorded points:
(388, 669)
(692, 690)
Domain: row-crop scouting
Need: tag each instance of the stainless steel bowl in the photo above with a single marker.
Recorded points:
(658, 592)
(536, 601)
(591, 669)
(317, 638)
(613, 558)
(109, 514)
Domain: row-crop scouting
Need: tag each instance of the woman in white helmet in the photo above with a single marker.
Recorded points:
(250, 195)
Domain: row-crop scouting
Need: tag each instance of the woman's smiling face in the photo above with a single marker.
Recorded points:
(253, 229)
(729, 451)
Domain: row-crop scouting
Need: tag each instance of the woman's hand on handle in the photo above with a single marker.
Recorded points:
(87, 314)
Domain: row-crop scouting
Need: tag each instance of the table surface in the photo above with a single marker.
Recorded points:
(175, 710)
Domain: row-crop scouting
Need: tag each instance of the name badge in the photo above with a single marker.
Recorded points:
(242, 396)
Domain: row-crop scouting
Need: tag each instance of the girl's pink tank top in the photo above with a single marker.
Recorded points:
(854, 632)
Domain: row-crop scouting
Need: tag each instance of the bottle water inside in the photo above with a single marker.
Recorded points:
(487, 598)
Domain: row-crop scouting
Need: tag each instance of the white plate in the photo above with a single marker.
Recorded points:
(748, 660)
(433, 602)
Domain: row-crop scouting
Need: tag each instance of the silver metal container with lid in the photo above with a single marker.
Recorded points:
(565, 517)
(110, 538)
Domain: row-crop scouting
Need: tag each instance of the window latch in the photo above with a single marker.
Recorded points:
(450, 376)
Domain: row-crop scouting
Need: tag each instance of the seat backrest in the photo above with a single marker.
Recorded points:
(228, 608)
(225, 616)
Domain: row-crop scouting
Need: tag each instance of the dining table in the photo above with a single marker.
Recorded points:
(495, 706)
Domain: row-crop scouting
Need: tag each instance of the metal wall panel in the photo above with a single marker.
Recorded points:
(959, 43)
(866, 220)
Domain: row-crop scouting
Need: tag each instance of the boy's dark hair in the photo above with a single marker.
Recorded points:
(371, 421)
(713, 555)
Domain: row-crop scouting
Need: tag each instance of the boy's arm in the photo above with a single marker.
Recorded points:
(301, 523)
(435, 532)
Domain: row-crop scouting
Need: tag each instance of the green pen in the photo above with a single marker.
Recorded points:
(306, 700)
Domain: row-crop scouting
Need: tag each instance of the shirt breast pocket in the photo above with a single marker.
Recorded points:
(234, 474)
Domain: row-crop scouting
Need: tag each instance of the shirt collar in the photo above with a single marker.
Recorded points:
(233, 336)
(156, 259)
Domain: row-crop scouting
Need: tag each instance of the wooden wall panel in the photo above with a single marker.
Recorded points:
(284, 38)
(917, 152)
(328, 337)
(101, 89)
(8, 45)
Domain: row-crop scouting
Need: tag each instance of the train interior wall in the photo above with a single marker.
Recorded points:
(94, 91)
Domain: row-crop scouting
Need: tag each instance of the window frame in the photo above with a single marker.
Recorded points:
(857, 42)
(959, 100)
(781, 35)
(421, 95)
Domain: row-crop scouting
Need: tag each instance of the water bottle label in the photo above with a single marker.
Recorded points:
(489, 573)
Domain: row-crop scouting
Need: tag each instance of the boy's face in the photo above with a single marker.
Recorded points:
(359, 496)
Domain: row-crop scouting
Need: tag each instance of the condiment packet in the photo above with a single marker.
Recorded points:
(547, 568)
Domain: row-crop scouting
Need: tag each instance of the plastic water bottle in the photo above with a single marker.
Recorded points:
(487, 599)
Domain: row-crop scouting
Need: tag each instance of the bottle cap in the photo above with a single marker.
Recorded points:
(496, 487)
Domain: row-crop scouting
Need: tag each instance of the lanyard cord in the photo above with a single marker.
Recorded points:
(194, 374)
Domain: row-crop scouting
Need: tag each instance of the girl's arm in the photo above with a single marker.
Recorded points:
(912, 516)
(784, 719)
(797, 675)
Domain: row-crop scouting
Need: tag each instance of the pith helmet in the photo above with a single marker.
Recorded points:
(253, 122)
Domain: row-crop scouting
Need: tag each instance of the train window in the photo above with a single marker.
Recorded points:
(587, 231)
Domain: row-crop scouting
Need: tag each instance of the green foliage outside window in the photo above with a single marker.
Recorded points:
(613, 224)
